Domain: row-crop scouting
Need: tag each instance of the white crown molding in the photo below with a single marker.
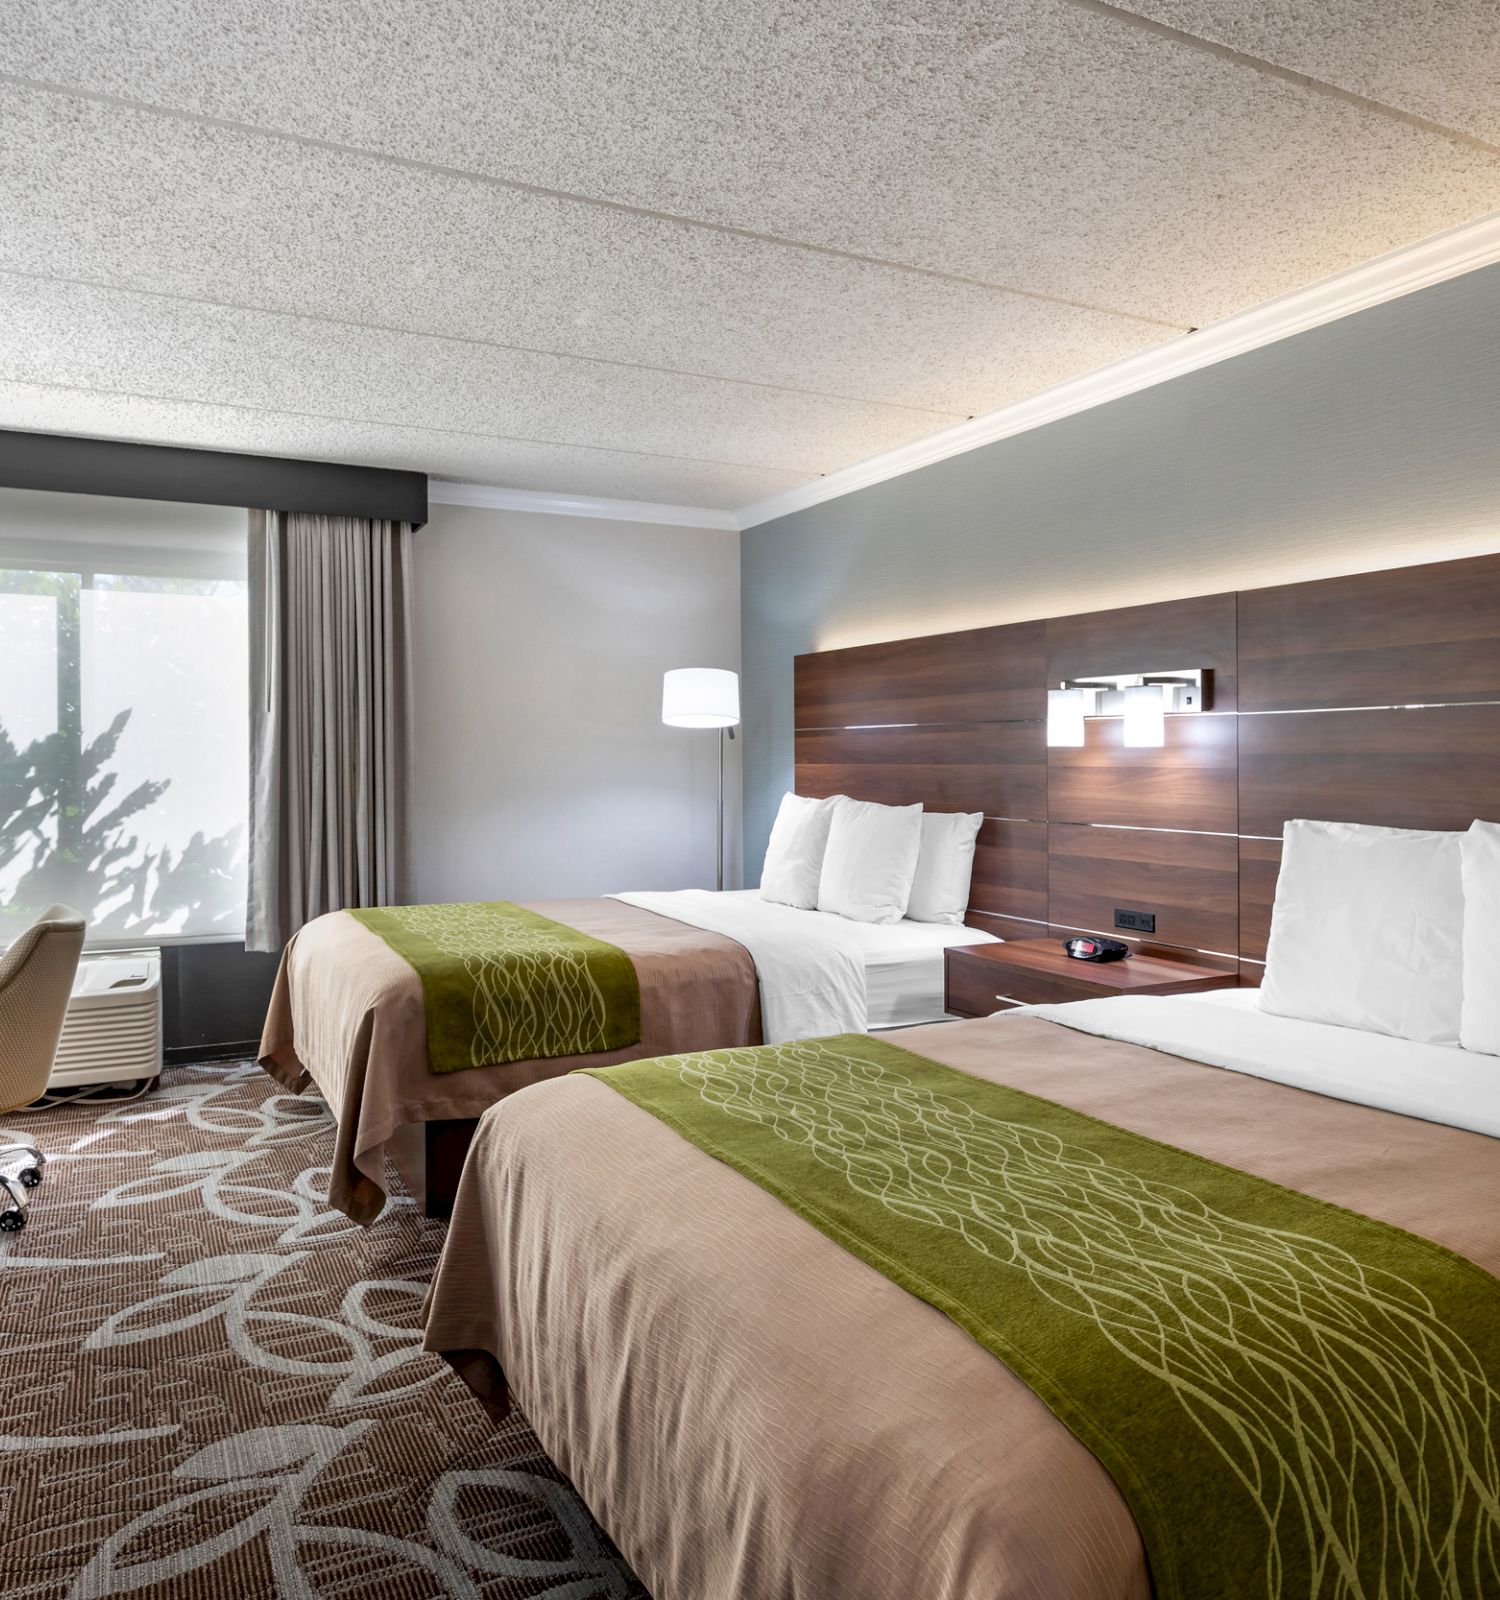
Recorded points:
(1445, 255)
(442, 492)
(1418, 266)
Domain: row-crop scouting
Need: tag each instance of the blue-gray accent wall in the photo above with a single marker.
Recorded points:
(1370, 442)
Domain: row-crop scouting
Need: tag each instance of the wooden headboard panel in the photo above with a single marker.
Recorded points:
(1374, 698)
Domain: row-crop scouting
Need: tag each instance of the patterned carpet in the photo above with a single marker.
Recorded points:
(213, 1384)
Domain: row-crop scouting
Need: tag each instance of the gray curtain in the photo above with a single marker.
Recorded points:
(330, 708)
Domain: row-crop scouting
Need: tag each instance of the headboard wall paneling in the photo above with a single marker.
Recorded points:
(1189, 880)
(999, 768)
(981, 675)
(1260, 861)
(1192, 831)
(1010, 870)
(1153, 638)
(1413, 635)
(1190, 783)
(1005, 927)
(1428, 767)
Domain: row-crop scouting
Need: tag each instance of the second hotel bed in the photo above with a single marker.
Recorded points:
(347, 1016)
(986, 1317)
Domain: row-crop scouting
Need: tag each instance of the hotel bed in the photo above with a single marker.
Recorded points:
(348, 1016)
(751, 1409)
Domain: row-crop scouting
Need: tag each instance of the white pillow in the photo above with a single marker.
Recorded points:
(871, 861)
(1480, 1027)
(794, 856)
(1367, 930)
(940, 890)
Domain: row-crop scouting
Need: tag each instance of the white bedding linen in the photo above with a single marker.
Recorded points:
(870, 861)
(811, 966)
(1367, 930)
(945, 866)
(1479, 1020)
(904, 969)
(901, 963)
(1227, 1028)
(794, 856)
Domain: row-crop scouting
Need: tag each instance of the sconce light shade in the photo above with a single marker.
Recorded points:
(1145, 717)
(700, 697)
(1065, 708)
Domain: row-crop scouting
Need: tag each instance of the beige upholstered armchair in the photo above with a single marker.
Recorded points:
(36, 978)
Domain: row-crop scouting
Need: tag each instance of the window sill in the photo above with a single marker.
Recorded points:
(165, 941)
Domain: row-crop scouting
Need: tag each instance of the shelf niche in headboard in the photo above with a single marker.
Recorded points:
(1360, 699)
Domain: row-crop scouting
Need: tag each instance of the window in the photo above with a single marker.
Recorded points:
(123, 715)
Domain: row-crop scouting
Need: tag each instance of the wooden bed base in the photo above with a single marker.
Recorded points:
(446, 1144)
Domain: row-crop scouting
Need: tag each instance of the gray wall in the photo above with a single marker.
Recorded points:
(542, 766)
(1372, 442)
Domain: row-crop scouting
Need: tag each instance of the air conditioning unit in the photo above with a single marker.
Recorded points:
(113, 1027)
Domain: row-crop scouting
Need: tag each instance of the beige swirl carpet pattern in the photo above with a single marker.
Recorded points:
(214, 1386)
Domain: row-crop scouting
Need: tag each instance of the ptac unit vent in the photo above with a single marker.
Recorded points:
(113, 1028)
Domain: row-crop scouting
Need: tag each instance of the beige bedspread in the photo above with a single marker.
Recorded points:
(752, 1412)
(346, 1015)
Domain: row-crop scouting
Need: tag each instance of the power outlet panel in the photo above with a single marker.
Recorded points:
(1136, 921)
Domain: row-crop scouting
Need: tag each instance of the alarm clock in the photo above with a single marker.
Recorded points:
(1094, 947)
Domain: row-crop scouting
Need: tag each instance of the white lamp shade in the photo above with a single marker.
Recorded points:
(1065, 709)
(700, 697)
(1145, 717)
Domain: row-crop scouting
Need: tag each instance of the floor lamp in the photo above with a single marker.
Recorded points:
(704, 697)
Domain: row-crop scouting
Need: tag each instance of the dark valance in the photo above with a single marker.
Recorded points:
(209, 477)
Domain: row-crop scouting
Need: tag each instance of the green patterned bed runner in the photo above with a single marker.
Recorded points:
(501, 983)
(1295, 1400)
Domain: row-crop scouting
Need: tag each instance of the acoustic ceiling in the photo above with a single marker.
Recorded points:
(695, 253)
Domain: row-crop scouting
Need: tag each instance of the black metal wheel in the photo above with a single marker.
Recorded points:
(30, 1176)
(12, 1221)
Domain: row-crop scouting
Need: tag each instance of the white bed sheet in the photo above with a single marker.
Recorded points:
(903, 961)
(809, 967)
(904, 969)
(903, 964)
(1226, 1028)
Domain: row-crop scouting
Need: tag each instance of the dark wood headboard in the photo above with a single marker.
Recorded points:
(1373, 698)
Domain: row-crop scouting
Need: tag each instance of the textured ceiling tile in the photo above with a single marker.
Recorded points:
(1439, 60)
(519, 466)
(1034, 144)
(111, 339)
(105, 194)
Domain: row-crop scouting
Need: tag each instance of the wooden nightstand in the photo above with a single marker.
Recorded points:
(982, 978)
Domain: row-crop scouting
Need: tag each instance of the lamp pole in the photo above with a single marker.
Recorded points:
(720, 839)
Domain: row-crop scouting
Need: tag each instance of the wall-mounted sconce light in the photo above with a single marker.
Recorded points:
(1145, 717)
(1143, 699)
(1065, 711)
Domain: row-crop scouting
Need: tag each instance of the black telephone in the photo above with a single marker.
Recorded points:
(1096, 948)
